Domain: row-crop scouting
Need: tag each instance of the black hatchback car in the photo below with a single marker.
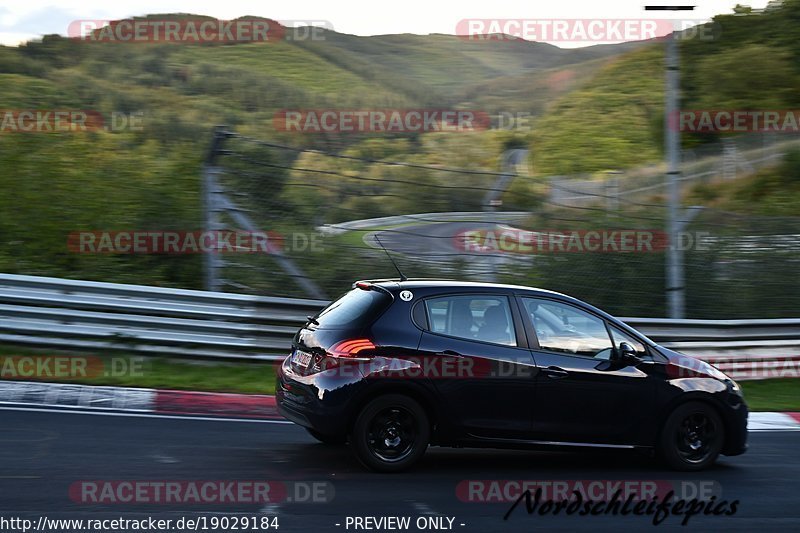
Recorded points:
(396, 366)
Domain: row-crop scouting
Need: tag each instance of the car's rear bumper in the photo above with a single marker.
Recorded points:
(319, 402)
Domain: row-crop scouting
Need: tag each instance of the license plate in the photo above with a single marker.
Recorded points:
(301, 358)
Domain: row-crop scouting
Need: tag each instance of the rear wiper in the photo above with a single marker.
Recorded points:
(312, 320)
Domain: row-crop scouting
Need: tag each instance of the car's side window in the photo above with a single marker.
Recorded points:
(480, 317)
(564, 328)
(620, 336)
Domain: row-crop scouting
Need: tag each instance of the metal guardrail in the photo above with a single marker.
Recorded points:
(712, 332)
(149, 320)
(743, 349)
(422, 218)
(62, 313)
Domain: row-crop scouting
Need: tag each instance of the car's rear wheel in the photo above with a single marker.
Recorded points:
(333, 440)
(390, 434)
(692, 437)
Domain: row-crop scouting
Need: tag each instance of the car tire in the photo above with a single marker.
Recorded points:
(390, 433)
(692, 437)
(333, 440)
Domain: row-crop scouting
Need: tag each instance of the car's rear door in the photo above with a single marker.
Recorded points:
(487, 383)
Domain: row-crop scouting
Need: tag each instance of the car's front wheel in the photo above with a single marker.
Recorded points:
(390, 434)
(692, 437)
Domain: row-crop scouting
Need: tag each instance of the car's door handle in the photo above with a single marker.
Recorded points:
(449, 353)
(553, 372)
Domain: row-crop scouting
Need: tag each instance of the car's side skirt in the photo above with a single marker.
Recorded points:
(524, 442)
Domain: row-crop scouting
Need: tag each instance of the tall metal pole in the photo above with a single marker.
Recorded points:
(675, 281)
(211, 260)
(672, 141)
(510, 160)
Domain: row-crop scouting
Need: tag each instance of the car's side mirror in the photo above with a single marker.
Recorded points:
(627, 355)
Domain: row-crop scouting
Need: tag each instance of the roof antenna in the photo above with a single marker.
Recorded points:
(402, 276)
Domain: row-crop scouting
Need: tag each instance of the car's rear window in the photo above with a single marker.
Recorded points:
(356, 308)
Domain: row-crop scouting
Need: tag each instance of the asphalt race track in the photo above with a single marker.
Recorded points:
(45, 452)
(431, 239)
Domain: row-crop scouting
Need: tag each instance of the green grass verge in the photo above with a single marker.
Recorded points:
(259, 377)
(125, 370)
(772, 394)
(355, 238)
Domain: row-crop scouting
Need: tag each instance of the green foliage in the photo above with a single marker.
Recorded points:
(772, 191)
(615, 120)
(610, 123)
(62, 183)
(752, 76)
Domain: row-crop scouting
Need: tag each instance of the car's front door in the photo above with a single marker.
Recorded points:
(581, 394)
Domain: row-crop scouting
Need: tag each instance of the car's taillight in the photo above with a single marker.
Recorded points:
(352, 349)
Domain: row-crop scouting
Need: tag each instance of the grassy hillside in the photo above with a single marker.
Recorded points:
(600, 108)
(770, 192)
(55, 183)
(444, 68)
(615, 120)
